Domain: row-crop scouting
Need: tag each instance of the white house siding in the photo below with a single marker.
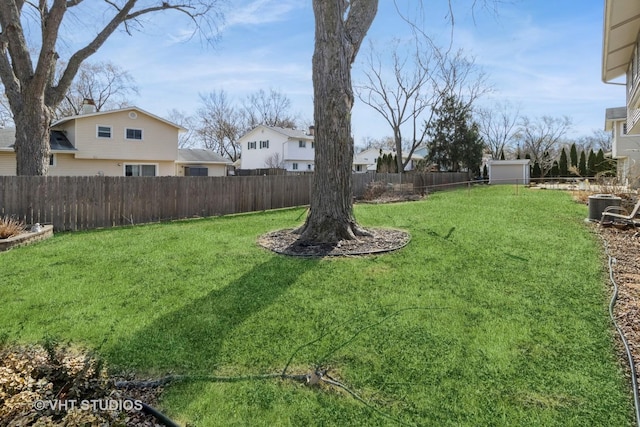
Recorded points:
(293, 151)
(257, 158)
(625, 148)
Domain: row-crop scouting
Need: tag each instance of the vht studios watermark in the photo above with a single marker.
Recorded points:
(88, 405)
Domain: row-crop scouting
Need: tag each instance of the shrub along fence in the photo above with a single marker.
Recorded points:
(88, 202)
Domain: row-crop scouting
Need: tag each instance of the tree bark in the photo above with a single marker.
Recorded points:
(340, 27)
(33, 123)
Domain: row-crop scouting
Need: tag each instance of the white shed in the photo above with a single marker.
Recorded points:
(508, 171)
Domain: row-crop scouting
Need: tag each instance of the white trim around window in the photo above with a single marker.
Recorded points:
(133, 134)
(104, 132)
(52, 160)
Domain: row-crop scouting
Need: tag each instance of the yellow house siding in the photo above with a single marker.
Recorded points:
(66, 165)
(159, 139)
(7, 163)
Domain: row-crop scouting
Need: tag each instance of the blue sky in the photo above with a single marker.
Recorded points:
(544, 57)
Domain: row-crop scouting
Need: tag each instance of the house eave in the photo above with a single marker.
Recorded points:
(201, 162)
(621, 27)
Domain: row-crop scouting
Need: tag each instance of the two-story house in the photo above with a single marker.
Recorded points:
(277, 147)
(124, 142)
(621, 59)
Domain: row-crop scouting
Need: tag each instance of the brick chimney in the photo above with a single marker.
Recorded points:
(312, 131)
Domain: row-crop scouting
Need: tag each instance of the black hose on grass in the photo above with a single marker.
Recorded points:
(625, 343)
(148, 409)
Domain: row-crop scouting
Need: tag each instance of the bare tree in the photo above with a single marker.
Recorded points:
(599, 139)
(274, 161)
(106, 84)
(417, 81)
(386, 143)
(269, 109)
(340, 27)
(28, 73)
(498, 126)
(220, 124)
(542, 137)
(186, 139)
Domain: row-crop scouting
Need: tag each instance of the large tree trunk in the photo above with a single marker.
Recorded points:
(340, 28)
(32, 149)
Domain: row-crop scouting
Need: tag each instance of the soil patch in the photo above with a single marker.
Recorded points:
(624, 247)
(381, 240)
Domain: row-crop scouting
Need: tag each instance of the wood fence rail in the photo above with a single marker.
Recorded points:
(89, 202)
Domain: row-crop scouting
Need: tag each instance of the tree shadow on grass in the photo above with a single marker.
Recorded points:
(190, 338)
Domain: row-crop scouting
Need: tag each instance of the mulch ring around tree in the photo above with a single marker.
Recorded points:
(382, 240)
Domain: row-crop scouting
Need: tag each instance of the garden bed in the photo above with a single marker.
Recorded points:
(26, 238)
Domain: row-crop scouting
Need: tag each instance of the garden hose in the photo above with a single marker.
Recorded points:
(614, 298)
(148, 409)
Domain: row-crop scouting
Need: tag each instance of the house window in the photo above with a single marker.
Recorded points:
(624, 128)
(313, 145)
(302, 144)
(264, 144)
(308, 167)
(251, 145)
(140, 170)
(52, 159)
(133, 134)
(196, 171)
(104, 131)
(294, 166)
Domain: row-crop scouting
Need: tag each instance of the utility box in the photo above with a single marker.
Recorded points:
(599, 202)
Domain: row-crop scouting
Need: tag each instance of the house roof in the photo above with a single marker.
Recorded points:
(102, 113)
(58, 141)
(621, 27)
(614, 114)
(200, 155)
(288, 132)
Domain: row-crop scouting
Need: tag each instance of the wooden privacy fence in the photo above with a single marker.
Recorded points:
(88, 202)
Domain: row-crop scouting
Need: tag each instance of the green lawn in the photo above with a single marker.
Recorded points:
(495, 314)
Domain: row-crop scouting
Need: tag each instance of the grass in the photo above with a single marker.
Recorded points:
(494, 314)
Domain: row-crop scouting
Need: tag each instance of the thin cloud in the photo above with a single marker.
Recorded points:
(259, 12)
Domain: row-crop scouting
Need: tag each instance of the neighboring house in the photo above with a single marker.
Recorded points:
(124, 142)
(625, 148)
(621, 58)
(366, 160)
(277, 147)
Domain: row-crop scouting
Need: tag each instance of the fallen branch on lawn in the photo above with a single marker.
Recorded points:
(316, 376)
